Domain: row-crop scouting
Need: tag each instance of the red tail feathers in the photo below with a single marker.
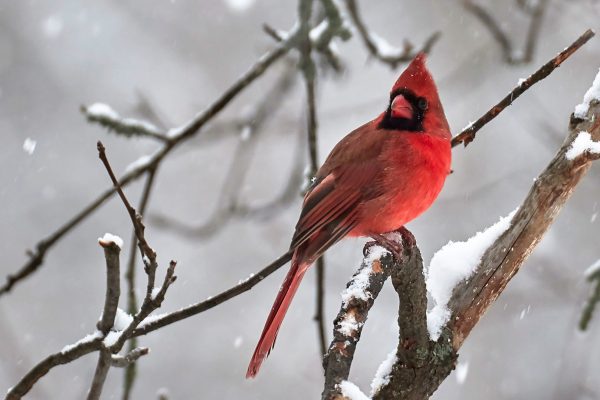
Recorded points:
(280, 307)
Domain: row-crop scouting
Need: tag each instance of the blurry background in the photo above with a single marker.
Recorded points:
(177, 56)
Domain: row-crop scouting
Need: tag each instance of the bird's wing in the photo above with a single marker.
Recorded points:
(331, 207)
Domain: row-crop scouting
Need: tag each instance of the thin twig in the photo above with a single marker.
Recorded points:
(128, 359)
(308, 69)
(592, 301)
(99, 375)
(155, 323)
(67, 355)
(178, 136)
(131, 368)
(468, 134)
(229, 204)
(375, 45)
(506, 46)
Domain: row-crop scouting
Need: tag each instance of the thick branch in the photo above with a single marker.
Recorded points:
(552, 188)
(68, 354)
(358, 299)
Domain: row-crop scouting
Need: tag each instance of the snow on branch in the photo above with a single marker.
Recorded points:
(454, 263)
(107, 117)
(593, 93)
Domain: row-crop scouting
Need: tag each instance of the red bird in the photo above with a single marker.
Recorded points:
(376, 179)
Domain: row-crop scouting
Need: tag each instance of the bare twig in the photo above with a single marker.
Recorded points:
(508, 52)
(378, 48)
(468, 134)
(113, 285)
(158, 322)
(130, 358)
(592, 302)
(229, 204)
(67, 355)
(177, 136)
(99, 375)
(131, 369)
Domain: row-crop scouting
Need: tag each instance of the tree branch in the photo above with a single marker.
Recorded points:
(358, 298)
(100, 375)
(468, 134)
(380, 49)
(506, 46)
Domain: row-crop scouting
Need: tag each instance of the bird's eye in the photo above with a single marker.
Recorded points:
(422, 104)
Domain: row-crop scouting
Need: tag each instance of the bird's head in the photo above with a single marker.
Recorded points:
(414, 103)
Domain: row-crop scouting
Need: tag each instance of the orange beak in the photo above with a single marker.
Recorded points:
(401, 108)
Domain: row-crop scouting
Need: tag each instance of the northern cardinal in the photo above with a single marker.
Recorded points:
(376, 179)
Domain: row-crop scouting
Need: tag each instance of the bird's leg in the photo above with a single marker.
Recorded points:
(389, 244)
(393, 246)
(407, 237)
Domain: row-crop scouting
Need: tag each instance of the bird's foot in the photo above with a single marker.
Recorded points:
(395, 245)
(390, 245)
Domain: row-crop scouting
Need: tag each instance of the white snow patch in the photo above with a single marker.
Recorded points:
(462, 370)
(52, 26)
(29, 146)
(237, 343)
(245, 279)
(155, 292)
(521, 81)
(592, 269)
(141, 162)
(151, 318)
(246, 133)
(469, 125)
(348, 325)
(89, 338)
(360, 282)
(593, 93)
(122, 320)
(582, 143)
(351, 391)
(453, 263)
(110, 238)
(111, 338)
(382, 376)
(239, 5)
(384, 48)
(593, 218)
(317, 31)
(101, 110)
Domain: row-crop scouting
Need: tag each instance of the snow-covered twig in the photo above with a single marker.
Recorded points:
(112, 248)
(381, 49)
(107, 117)
(468, 134)
(593, 276)
(357, 300)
